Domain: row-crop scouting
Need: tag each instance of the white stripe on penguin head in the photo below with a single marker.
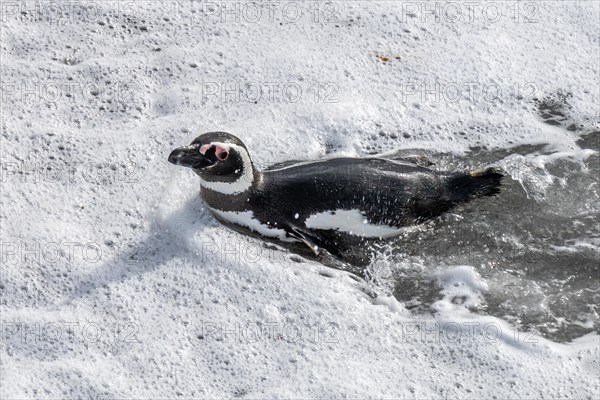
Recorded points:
(243, 183)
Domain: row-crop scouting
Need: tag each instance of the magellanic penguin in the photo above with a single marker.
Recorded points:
(324, 208)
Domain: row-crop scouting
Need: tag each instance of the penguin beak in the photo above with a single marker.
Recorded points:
(189, 156)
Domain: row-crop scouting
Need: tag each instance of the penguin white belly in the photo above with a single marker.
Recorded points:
(247, 220)
(353, 222)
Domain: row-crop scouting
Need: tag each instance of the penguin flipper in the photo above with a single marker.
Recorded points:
(315, 242)
(313, 247)
(324, 251)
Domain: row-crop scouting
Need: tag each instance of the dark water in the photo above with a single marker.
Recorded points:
(535, 244)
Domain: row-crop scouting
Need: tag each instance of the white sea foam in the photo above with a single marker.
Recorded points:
(177, 306)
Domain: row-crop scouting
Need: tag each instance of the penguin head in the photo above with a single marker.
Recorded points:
(221, 161)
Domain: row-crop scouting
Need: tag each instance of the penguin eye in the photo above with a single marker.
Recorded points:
(221, 153)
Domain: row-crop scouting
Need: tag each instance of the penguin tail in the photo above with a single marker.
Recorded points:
(476, 183)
